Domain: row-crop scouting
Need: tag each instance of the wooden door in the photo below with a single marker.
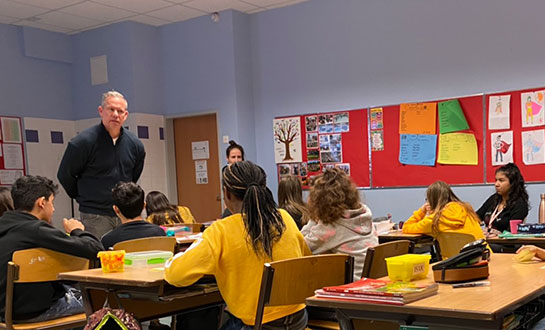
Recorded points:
(203, 199)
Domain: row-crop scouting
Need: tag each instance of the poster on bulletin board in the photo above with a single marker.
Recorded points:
(325, 140)
(12, 155)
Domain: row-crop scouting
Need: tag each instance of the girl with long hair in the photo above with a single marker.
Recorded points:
(6, 202)
(339, 223)
(290, 198)
(510, 202)
(234, 250)
(443, 212)
(161, 212)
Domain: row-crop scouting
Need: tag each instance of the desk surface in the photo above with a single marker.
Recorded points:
(512, 285)
(133, 276)
(540, 241)
(395, 235)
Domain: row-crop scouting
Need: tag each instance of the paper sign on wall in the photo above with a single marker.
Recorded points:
(499, 112)
(417, 118)
(201, 171)
(451, 117)
(502, 148)
(287, 140)
(200, 150)
(417, 149)
(458, 149)
(532, 147)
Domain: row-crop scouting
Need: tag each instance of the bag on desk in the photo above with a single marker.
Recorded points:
(469, 265)
(108, 318)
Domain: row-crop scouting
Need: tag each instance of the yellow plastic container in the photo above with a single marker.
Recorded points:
(408, 267)
(112, 261)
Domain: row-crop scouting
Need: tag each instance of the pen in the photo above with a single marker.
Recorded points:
(470, 284)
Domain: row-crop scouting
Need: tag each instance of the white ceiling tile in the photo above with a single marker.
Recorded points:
(8, 20)
(49, 4)
(176, 13)
(211, 6)
(19, 10)
(266, 3)
(97, 11)
(44, 26)
(257, 10)
(285, 4)
(68, 21)
(149, 20)
(138, 6)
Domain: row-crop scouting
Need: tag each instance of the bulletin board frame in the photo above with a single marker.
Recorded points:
(12, 150)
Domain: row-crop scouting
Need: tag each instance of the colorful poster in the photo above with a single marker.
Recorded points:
(11, 130)
(312, 140)
(417, 118)
(287, 140)
(417, 149)
(376, 118)
(499, 112)
(311, 124)
(451, 117)
(458, 149)
(377, 140)
(532, 111)
(502, 148)
(345, 167)
(532, 147)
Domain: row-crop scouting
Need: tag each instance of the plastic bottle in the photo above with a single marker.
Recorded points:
(172, 232)
(542, 209)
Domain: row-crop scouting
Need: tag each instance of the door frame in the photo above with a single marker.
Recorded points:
(171, 176)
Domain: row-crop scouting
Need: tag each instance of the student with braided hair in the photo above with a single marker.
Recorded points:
(234, 250)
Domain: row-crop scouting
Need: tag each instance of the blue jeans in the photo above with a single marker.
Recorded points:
(295, 321)
(70, 304)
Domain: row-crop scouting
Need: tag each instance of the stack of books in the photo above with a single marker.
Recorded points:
(379, 291)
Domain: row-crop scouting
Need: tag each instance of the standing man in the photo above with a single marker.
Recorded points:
(97, 159)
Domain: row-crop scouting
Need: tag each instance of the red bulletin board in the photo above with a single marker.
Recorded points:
(12, 158)
(530, 172)
(387, 171)
(354, 147)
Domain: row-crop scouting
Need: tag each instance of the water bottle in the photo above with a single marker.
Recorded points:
(542, 209)
(172, 231)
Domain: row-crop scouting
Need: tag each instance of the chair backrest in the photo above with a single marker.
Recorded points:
(161, 243)
(375, 265)
(37, 265)
(291, 281)
(449, 244)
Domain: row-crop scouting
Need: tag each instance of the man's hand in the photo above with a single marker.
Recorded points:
(71, 224)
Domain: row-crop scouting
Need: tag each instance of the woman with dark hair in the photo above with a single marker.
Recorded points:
(510, 202)
(6, 202)
(290, 198)
(340, 222)
(234, 250)
(234, 152)
(161, 212)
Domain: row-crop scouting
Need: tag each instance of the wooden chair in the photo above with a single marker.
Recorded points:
(161, 243)
(290, 281)
(40, 265)
(449, 244)
(374, 265)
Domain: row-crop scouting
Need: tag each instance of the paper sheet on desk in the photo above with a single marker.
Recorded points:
(383, 227)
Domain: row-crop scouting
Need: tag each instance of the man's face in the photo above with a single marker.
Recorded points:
(48, 209)
(113, 113)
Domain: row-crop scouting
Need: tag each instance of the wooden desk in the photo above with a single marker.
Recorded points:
(537, 241)
(396, 235)
(142, 291)
(512, 285)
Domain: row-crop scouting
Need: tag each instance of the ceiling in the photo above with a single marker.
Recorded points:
(73, 16)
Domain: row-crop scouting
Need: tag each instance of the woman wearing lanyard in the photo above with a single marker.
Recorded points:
(510, 202)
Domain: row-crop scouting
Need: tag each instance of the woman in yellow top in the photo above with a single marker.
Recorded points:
(161, 212)
(234, 250)
(443, 212)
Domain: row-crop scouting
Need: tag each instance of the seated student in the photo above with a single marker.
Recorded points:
(290, 198)
(161, 212)
(340, 222)
(28, 227)
(510, 202)
(128, 200)
(6, 202)
(443, 212)
(234, 153)
(234, 250)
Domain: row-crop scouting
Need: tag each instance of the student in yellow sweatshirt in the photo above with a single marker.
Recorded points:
(234, 250)
(443, 212)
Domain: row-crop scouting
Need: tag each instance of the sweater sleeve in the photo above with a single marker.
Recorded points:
(79, 243)
(418, 223)
(72, 164)
(186, 268)
(139, 166)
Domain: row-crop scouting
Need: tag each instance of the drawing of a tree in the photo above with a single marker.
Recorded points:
(285, 131)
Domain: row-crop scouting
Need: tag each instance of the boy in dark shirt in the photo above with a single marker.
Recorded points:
(28, 227)
(129, 203)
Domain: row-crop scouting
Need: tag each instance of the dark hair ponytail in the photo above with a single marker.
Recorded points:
(263, 222)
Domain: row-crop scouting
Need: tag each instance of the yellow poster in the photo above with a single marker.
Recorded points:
(458, 149)
(417, 118)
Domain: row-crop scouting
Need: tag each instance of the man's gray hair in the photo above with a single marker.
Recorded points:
(111, 93)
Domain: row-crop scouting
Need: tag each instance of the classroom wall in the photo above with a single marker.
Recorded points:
(325, 55)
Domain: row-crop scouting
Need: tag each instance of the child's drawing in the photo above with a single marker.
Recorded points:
(532, 147)
(532, 104)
